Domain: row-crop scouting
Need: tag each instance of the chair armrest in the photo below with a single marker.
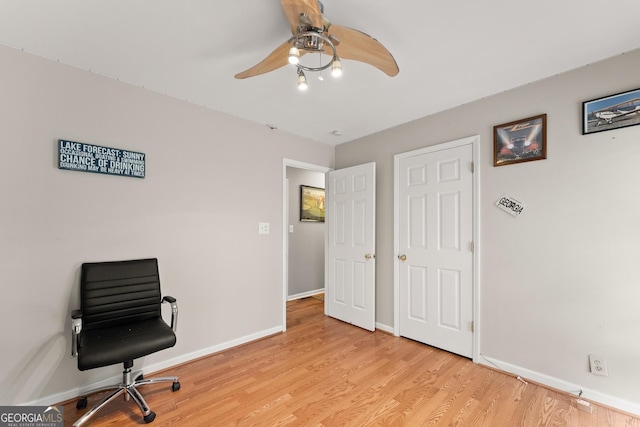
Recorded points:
(76, 327)
(174, 311)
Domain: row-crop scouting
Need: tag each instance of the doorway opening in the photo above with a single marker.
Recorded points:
(303, 242)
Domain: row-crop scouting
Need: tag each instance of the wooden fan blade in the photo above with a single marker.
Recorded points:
(276, 59)
(293, 9)
(362, 47)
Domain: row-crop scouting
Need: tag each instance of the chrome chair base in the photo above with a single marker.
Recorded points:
(128, 388)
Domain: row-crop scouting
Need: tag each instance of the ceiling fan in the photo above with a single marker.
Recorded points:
(313, 33)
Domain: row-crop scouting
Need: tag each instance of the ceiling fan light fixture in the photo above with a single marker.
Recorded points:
(336, 67)
(314, 33)
(302, 80)
(294, 55)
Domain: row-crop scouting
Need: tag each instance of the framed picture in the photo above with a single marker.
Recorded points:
(520, 141)
(611, 112)
(311, 204)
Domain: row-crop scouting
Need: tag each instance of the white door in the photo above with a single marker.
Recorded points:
(435, 247)
(350, 225)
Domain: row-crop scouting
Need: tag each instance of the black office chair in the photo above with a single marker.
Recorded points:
(120, 320)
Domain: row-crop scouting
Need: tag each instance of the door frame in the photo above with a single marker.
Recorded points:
(474, 141)
(285, 226)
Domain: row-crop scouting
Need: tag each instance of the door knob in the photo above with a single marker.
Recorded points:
(369, 256)
(402, 257)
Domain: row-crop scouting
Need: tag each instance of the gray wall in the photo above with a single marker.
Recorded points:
(211, 178)
(558, 283)
(561, 281)
(306, 243)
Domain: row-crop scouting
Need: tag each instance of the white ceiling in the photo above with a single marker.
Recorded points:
(449, 52)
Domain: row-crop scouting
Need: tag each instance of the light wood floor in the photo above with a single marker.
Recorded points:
(323, 372)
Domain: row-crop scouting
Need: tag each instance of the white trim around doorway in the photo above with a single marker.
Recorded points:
(285, 226)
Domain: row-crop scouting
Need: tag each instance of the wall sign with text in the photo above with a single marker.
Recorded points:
(83, 157)
(510, 205)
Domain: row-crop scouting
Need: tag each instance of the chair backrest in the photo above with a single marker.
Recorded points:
(119, 292)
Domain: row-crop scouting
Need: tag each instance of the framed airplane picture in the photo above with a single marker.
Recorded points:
(611, 112)
(524, 140)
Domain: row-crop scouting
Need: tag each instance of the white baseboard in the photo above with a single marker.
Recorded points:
(149, 369)
(558, 384)
(384, 328)
(305, 294)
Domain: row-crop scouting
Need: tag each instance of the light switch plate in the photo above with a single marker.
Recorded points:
(263, 228)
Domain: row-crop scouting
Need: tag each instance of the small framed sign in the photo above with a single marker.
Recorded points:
(82, 157)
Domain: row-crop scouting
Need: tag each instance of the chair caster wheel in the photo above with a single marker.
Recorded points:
(175, 386)
(150, 417)
(82, 403)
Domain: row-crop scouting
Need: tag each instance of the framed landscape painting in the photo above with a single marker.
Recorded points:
(311, 204)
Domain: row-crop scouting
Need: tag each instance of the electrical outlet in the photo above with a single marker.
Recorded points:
(598, 365)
